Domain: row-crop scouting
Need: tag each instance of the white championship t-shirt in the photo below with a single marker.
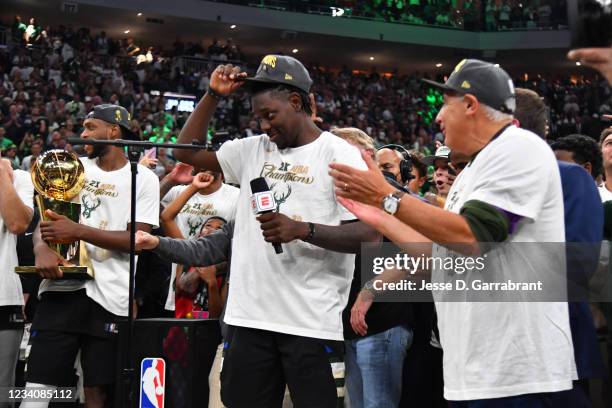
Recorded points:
(303, 290)
(105, 204)
(10, 285)
(501, 349)
(193, 216)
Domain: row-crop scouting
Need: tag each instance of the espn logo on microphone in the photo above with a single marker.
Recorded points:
(262, 202)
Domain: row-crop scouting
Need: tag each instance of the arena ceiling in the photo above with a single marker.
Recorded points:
(257, 41)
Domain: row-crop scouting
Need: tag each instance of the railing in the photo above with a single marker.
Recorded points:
(470, 16)
(200, 64)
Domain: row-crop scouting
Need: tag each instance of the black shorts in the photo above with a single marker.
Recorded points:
(66, 322)
(257, 364)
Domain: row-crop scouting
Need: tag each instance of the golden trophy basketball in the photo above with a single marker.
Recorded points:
(58, 177)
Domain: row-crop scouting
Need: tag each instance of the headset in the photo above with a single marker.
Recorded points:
(405, 163)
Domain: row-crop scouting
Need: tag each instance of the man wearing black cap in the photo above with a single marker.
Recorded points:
(286, 308)
(76, 315)
(496, 354)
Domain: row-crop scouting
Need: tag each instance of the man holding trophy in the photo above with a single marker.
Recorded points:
(15, 215)
(82, 314)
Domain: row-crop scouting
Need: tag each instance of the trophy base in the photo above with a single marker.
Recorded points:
(69, 272)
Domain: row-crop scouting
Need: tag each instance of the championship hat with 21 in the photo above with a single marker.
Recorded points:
(115, 115)
(281, 69)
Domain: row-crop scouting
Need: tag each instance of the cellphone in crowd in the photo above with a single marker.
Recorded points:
(151, 153)
(590, 23)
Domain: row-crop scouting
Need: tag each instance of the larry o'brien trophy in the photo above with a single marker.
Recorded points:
(58, 177)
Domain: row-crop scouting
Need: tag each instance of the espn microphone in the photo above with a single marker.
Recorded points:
(262, 202)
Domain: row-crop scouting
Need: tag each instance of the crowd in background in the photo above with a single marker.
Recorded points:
(50, 80)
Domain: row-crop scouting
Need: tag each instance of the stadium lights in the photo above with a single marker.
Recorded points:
(295, 50)
(139, 14)
(233, 26)
(126, 32)
(438, 65)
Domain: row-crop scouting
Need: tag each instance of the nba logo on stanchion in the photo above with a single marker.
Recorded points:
(152, 382)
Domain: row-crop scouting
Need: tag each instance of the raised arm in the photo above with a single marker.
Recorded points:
(180, 174)
(224, 80)
(169, 214)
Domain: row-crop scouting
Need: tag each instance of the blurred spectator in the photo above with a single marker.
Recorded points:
(4, 141)
(28, 161)
(10, 153)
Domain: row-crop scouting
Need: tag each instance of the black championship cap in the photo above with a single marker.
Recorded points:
(115, 115)
(489, 83)
(280, 69)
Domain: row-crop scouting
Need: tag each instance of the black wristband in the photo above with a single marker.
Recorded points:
(311, 231)
(213, 93)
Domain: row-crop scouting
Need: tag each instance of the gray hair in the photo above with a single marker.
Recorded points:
(492, 114)
(496, 116)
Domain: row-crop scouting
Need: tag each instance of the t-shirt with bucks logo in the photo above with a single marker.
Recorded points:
(198, 209)
(303, 290)
(105, 204)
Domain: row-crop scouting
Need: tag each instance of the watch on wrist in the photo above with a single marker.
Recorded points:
(391, 202)
(311, 231)
(369, 287)
(214, 93)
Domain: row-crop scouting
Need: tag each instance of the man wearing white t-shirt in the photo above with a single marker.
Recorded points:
(76, 315)
(216, 200)
(16, 202)
(496, 354)
(285, 309)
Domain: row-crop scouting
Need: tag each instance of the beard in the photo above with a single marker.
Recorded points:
(97, 151)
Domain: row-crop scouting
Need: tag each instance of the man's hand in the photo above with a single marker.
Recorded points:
(366, 186)
(188, 283)
(202, 180)
(148, 162)
(144, 240)
(359, 310)
(181, 173)
(598, 58)
(6, 171)
(225, 79)
(47, 262)
(279, 228)
(373, 216)
(208, 274)
(60, 230)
